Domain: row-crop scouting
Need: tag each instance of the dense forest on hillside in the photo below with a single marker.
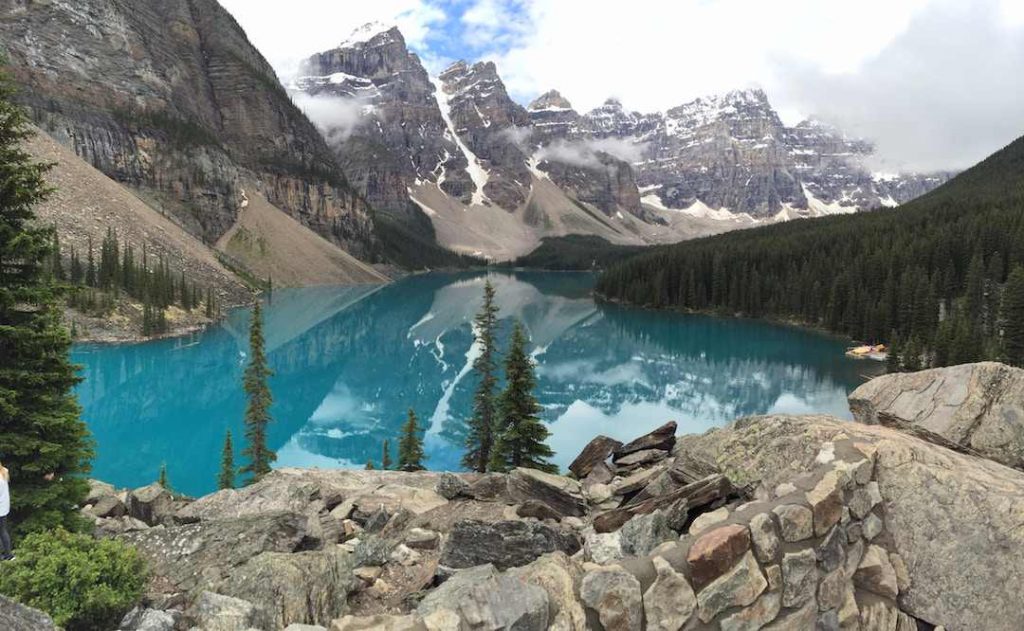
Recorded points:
(576, 252)
(940, 277)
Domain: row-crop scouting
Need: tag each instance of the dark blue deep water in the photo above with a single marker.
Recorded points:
(349, 362)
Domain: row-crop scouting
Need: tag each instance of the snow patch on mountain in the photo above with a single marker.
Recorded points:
(477, 173)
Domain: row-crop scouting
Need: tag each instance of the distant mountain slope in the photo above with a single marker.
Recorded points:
(169, 97)
(928, 274)
(272, 245)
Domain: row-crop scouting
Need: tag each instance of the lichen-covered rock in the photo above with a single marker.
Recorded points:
(644, 533)
(756, 616)
(450, 486)
(602, 547)
(17, 617)
(143, 619)
(504, 544)
(669, 602)
(738, 587)
(975, 406)
(614, 595)
(217, 612)
(799, 577)
(796, 523)
(764, 537)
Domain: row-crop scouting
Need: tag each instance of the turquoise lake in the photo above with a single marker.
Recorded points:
(349, 362)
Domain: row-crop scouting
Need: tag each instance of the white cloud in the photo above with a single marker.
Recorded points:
(583, 153)
(336, 117)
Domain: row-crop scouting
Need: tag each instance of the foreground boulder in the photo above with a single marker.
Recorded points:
(17, 617)
(976, 407)
(504, 544)
(950, 520)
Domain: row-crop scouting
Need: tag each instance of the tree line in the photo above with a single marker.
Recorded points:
(100, 280)
(941, 279)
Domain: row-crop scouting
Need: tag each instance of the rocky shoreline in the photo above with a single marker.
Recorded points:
(775, 522)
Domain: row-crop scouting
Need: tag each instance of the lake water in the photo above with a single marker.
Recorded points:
(349, 362)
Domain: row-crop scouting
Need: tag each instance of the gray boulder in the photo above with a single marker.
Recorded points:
(143, 619)
(152, 504)
(975, 407)
(483, 599)
(504, 544)
(644, 533)
(17, 617)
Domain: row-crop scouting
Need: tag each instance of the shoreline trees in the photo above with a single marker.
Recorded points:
(257, 412)
(410, 445)
(480, 437)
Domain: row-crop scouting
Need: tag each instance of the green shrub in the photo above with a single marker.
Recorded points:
(83, 583)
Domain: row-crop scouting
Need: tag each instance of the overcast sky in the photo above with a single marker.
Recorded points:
(935, 83)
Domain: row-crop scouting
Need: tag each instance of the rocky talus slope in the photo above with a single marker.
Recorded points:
(775, 522)
(171, 99)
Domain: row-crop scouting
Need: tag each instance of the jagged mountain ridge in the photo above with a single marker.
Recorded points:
(170, 98)
(459, 148)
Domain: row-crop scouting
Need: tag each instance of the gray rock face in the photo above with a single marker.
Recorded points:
(978, 407)
(140, 619)
(216, 612)
(563, 495)
(185, 110)
(17, 617)
(504, 544)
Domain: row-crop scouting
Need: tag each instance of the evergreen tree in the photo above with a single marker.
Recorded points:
(1012, 317)
(41, 432)
(410, 446)
(480, 435)
(162, 478)
(209, 303)
(55, 261)
(521, 437)
(385, 457)
(369, 464)
(226, 479)
(257, 412)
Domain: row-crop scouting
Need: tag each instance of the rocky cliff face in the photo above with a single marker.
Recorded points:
(171, 98)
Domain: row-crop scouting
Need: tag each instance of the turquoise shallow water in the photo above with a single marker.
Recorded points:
(349, 362)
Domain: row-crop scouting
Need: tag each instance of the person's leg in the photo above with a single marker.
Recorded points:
(5, 538)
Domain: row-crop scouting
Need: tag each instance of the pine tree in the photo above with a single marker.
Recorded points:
(385, 457)
(1012, 317)
(257, 412)
(41, 431)
(162, 479)
(55, 260)
(410, 446)
(226, 479)
(209, 303)
(480, 437)
(369, 464)
(521, 438)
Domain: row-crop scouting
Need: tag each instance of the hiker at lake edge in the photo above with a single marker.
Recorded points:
(5, 509)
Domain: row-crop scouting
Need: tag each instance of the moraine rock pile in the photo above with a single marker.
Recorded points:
(776, 522)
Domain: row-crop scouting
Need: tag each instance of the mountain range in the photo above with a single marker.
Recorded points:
(365, 157)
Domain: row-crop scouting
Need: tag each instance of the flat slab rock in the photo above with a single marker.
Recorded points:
(974, 407)
(597, 451)
(663, 438)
